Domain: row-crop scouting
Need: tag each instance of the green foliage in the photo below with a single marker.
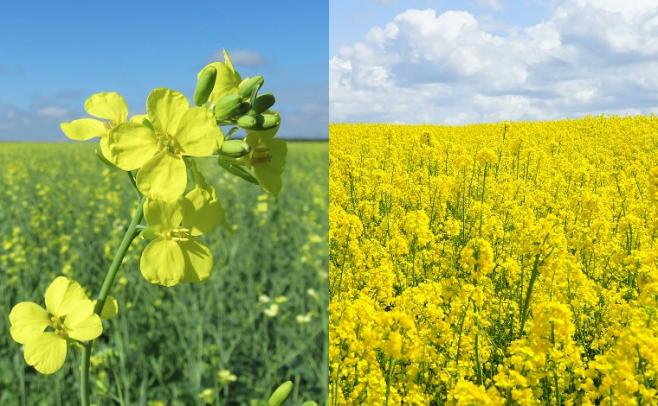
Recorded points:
(64, 212)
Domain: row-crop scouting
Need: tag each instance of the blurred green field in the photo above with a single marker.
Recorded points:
(62, 211)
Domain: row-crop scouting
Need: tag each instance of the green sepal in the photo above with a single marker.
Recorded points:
(104, 160)
(149, 234)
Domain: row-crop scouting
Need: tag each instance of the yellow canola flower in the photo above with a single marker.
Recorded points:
(156, 146)
(44, 333)
(175, 255)
(108, 106)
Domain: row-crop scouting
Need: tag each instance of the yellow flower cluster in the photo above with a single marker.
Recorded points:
(511, 263)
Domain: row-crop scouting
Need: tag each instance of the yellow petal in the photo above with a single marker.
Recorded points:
(110, 308)
(197, 132)
(162, 215)
(268, 179)
(83, 324)
(46, 353)
(226, 82)
(63, 296)
(28, 320)
(105, 147)
(83, 129)
(198, 261)
(163, 177)
(139, 118)
(107, 105)
(131, 146)
(162, 262)
(165, 108)
(203, 213)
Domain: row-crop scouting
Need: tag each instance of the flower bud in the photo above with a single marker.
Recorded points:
(249, 85)
(248, 122)
(262, 103)
(259, 121)
(280, 394)
(269, 121)
(234, 148)
(227, 107)
(204, 85)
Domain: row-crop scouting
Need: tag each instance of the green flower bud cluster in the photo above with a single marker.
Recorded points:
(234, 100)
(258, 157)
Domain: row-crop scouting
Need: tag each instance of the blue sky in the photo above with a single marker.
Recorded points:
(53, 56)
(454, 62)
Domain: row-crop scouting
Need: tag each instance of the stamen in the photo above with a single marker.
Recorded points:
(178, 234)
(261, 155)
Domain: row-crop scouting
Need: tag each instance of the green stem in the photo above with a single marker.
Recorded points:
(128, 238)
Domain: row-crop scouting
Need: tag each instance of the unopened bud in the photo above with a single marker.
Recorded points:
(228, 106)
(280, 394)
(204, 85)
(249, 85)
(235, 148)
(262, 103)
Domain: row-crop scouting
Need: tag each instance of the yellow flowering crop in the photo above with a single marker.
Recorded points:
(492, 264)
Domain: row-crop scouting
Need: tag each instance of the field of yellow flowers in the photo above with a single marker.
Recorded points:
(260, 319)
(494, 264)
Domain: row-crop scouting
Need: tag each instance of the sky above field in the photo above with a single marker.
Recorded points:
(443, 61)
(52, 57)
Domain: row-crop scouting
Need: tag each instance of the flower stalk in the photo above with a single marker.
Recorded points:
(131, 232)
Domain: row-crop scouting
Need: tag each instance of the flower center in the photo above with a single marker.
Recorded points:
(178, 234)
(168, 143)
(57, 323)
(261, 155)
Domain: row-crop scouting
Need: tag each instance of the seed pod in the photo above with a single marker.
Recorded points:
(248, 122)
(235, 148)
(262, 103)
(228, 106)
(280, 394)
(204, 85)
(248, 86)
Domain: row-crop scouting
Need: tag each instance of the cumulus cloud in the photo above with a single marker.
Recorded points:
(589, 56)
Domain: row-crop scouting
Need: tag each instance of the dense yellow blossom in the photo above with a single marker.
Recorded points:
(511, 263)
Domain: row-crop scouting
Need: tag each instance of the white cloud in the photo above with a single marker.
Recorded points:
(246, 58)
(589, 56)
(55, 112)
